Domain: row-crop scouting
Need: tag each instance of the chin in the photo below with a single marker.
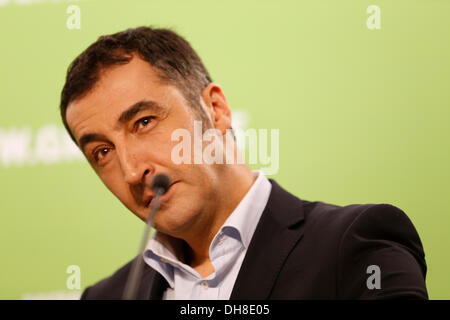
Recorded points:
(171, 223)
(142, 216)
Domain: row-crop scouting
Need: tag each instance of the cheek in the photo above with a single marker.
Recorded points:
(113, 180)
(160, 150)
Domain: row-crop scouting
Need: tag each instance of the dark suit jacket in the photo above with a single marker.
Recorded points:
(313, 250)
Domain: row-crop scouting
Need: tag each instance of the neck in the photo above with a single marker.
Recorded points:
(234, 186)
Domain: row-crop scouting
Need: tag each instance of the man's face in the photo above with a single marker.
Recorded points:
(124, 126)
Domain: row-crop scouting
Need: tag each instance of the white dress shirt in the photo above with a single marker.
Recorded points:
(226, 251)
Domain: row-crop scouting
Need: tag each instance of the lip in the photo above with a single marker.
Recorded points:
(149, 200)
(149, 197)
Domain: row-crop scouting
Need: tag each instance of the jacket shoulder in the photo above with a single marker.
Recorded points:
(333, 218)
(364, 218)
(343, 225)
(360, 236)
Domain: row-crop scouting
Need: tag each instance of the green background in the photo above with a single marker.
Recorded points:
(363, 118)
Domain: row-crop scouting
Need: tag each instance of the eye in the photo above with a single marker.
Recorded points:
(143, 122)
(100, 154)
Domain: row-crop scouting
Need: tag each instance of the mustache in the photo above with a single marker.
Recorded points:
(141, 191)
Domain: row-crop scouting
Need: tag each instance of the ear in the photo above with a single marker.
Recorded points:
(217, 107)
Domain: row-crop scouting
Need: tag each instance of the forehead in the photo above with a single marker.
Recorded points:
(118, 87)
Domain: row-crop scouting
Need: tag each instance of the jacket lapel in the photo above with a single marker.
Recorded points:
(278, 231)
(152, 286)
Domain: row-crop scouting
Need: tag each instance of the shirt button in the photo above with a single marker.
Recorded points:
(205, 284)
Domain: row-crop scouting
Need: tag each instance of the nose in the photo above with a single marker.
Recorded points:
(135, 171)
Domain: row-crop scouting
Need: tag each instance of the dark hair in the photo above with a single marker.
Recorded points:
(175, 61)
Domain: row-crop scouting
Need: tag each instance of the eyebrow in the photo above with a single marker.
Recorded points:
(88, 137)
(124, 117)
(139, 106)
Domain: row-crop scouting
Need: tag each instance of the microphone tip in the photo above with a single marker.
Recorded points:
(161, 182)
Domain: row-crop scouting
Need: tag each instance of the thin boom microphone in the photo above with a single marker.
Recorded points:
(161, 184)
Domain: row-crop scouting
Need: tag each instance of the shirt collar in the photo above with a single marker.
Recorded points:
(246, 215)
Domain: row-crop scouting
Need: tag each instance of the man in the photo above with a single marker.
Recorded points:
(222, 231)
